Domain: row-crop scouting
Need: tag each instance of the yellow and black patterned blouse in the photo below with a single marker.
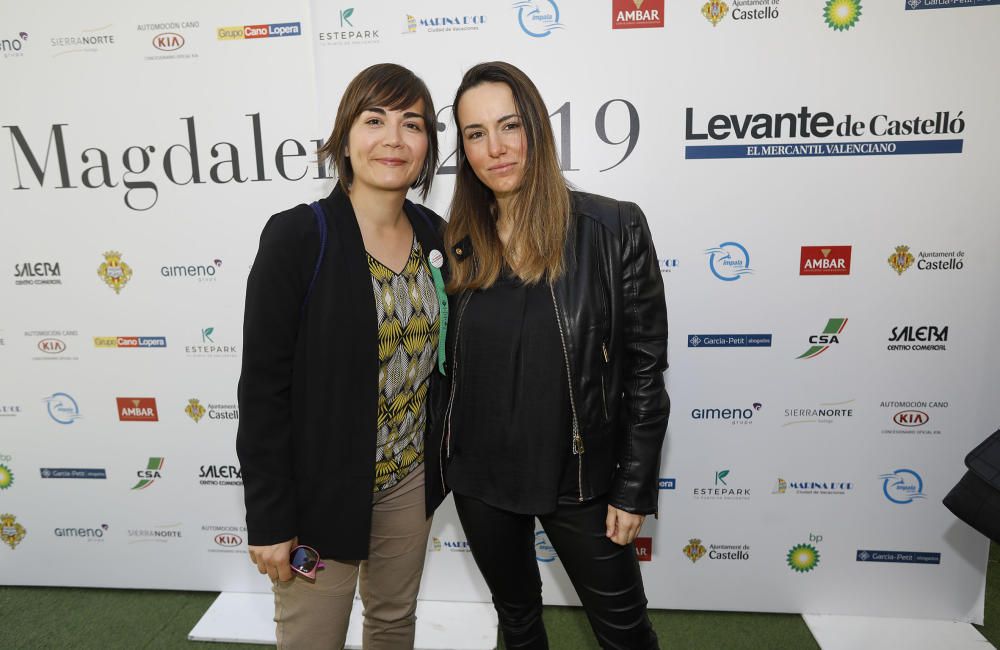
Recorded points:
(407, 350)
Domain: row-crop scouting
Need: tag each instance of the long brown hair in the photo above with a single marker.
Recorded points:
(395, 88)
(539, 211)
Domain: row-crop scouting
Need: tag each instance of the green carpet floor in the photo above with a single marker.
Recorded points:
(39, 617)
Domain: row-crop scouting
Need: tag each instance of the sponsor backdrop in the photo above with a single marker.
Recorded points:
(820, 202)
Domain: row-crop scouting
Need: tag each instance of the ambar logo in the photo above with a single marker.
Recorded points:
(137, 409)
(825, 260)
(644, 549)
(636, 14)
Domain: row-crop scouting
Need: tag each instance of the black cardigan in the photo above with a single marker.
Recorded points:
(308, 391)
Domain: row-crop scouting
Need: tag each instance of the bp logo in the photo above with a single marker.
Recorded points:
(11, 532)
(114, 271)
(6, 477)
(901, 260)
(841, 15)
(803, 558)
(194, 409)
(694, 551)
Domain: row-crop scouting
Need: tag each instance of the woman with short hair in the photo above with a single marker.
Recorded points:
(340, 349)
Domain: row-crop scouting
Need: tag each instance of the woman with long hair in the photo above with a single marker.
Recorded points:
(557, 406)
(340, 354)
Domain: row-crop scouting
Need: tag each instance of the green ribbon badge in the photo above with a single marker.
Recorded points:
(437, 261)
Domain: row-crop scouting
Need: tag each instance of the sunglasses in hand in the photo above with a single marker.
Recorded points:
(305, 561)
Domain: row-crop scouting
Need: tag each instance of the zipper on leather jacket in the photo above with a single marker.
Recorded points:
(604, 388)
(444, 452)
(578, 448)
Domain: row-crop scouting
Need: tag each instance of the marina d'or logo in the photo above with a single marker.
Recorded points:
(150, 474)
(114, 271)
(820, 343)
(538, 18)
(842, 14)
(194, 409)
(714, 11)
(6, 477)
(901, 260)
(803, 558)
(694, 550)
(902, 486)
(11, 532)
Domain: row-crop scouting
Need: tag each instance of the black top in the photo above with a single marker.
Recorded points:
(510, 421)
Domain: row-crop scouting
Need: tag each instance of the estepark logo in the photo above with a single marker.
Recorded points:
(248, 32)
(830, 335)
(825, 260)
(149, 475)
(137, 409)
(636, 14)
(349, 34)
(538, 18)
(209, 347)
(721, 490)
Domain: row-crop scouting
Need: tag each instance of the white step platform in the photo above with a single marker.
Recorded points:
(248, 618)
(871, 633)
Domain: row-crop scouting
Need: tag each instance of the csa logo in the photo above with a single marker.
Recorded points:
(6, 477)
(150, 474)
(694, 551)
(901, 260)
(803, 558)
(841, 15)
(714, 11)
(822, 342)
(194, 409)
(11, 532)
(114, 271)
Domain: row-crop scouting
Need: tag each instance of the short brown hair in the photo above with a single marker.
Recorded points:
(391, 86)
(540, 210)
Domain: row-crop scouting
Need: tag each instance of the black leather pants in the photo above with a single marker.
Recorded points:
(605, 575)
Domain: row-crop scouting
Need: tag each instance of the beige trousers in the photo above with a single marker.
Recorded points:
(315, 615)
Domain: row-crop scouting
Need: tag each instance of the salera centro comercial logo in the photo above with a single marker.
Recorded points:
(115, 272)
(729, 261)
(11, 532)
(902, 486)
(37, 273)
(636, 14)
(918, 338)
(821, 342)
(149, 475)
(62, 408)
(247, 32)
(538, 18)
(825, 260)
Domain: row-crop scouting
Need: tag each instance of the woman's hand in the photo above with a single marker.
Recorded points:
(274, 560)
(623, 527)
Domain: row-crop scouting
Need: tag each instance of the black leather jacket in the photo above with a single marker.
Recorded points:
(613, 321)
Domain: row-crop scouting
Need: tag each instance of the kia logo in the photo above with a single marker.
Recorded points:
(228, 539)
(51, 346)
(168, 41)
(910, 418)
